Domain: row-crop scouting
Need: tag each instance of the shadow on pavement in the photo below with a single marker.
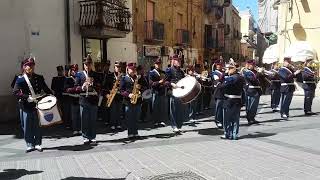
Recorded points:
(16, 173)
(89, 178)
(303, 115)
(256, 135)
(210, 131)
(140, 138)
(11, 128)
(72, 148)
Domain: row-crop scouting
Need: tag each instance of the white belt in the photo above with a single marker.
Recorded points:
(254, 87)
(287, 84)
(89, 94)
(69, 94)
(309, 82)
(233, 96)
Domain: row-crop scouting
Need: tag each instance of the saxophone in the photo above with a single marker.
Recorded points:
(113, 91)
(135, 91)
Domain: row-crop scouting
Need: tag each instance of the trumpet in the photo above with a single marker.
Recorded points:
(204, 75)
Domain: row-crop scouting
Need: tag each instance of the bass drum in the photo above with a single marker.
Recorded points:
(188, 89)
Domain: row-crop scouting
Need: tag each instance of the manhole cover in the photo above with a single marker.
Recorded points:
(176, 176)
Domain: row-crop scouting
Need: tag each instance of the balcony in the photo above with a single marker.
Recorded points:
(210, 5)
(104, 19)
(154, 31)
(183, 37)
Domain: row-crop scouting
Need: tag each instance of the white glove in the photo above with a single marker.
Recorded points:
(174, 85)
(31, 99)
(297, 72)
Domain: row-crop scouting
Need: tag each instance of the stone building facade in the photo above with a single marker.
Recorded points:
(162, 28)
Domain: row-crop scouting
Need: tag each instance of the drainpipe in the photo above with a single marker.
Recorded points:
(67, 20)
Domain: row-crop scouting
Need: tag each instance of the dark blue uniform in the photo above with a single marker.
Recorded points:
(132, 111)
(29, 116)
(253, 93)
(194, 107)
(159, 99)
(275, 89)
(144, 82)
(116, 105)
(57, 85)
(218, 79)
(177, 109)
(232, 104)
(72, 97)
(309, 86)
(287, 88)
(207, 91)
(88, 104)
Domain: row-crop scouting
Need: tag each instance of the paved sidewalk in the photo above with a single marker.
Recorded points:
(274, 149)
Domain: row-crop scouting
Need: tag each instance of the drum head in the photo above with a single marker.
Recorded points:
(47, 102)
(188, 83)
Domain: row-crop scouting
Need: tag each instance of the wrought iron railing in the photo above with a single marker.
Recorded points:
(154, 30)
(105, 14)
(183, 36)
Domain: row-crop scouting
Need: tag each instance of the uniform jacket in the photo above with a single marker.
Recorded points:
(232, 85)
(252, 79)
(57, 85)
(286, 76)
(275, 80)
(309, 80)
(22, 92)
(70, 88)
(80, 80)
(173, 74)
(126, 87)
(154, 78)
(218, 79)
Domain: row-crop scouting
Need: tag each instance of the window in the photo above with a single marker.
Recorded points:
(179, 21)
(150, 11)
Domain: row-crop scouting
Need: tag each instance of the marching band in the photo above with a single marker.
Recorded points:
(125, 96)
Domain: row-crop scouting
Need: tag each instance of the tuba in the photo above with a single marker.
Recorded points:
(135, 91)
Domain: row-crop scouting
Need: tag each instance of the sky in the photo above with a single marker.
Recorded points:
(243, 4)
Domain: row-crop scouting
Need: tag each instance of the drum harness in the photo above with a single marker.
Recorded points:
(33, 94)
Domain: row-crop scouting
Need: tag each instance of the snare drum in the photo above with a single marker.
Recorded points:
(48, 111)
(147, 94)
(188, 90)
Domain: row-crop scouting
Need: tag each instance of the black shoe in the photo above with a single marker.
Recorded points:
(253, 122)
(310, 113)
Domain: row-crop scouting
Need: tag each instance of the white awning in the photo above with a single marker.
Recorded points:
(271, 54)
(301, 51)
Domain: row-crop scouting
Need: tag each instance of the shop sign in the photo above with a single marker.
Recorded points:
(152, 51)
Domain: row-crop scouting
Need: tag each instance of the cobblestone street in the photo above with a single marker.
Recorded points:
(274, 149)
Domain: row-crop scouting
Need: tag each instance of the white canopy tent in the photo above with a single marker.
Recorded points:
(271, 54)
(301, 51)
